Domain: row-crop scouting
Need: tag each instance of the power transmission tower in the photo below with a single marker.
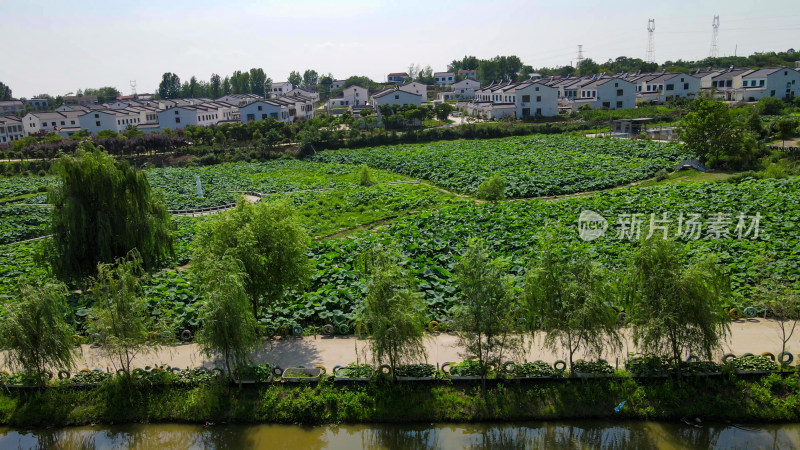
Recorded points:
(580, 56)
(651, 48)
(133, 87)
(714, 37)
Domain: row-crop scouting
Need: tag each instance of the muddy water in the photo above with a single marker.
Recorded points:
(558, 435)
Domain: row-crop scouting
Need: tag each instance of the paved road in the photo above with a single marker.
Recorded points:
(754, 336)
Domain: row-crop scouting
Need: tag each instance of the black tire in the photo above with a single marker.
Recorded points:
(175, 370)
(563, 365)
(328, 330)
(749, 312)
(277, 371)
(785, 363)
(692, 358)
(64, 375)
(297, 331)
(186, 335)
(727, 357)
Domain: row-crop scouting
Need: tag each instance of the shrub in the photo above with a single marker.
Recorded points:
(365, 177)
(597, 367)
(662, 175)
(492, 189)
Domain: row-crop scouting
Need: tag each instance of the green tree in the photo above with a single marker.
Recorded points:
(228, 324)
(567, 296)
(782, 304)
(295, 79)
(715, 137)
(170, 86)
(588, 67)
(35, 331)
(310, 78)
(492, 189)
(258, 81)
(443, 110)
(220, 138)
(104, 94)
(484, 312)
(118, 314)
(270, 243)
(392, 309)
(215, 86)
(674, 308)
(103, 209)
(5, 92)
(787, 129)
(770, 106)
(226, 86)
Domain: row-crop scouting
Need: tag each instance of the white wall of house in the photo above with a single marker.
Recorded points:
(258, 111)
(356, 95)
(415, 87)
(11, 129)
(96, 121)
(177, 118)
(11, 106)
(783, 83)
(443, 78)
(49, 121)
(280, 89)
(397, 97)
(465, 88)
(536, 98)
(615, 94)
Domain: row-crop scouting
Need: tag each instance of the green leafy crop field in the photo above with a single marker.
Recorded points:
(531, 166)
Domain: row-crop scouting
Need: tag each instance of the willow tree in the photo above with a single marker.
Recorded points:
(118, 314)
(103, 209)
(229, 327)
(567, 297)
(484, 312)
(35, 331)
(392, 308)
(675, 308)
(269, 241)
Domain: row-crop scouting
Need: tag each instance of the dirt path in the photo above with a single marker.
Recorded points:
(753, 336)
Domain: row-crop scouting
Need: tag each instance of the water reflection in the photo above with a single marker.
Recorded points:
(528, 435)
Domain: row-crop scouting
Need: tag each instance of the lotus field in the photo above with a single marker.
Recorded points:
(431, 226)
(532, 166)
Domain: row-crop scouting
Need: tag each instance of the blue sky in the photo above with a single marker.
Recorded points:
(59, 46)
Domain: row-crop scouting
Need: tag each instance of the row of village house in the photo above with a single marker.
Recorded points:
(537, 96)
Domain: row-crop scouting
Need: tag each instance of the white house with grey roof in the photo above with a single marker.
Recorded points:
(280, 89)
(11, 129)
(780, 82)
(265, 109)
(607, 92)
(415, 87)
(47, 122)
(443, 78)
(394, 96)
(659, 88)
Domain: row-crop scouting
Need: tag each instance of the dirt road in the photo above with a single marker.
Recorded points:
(753, 336)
